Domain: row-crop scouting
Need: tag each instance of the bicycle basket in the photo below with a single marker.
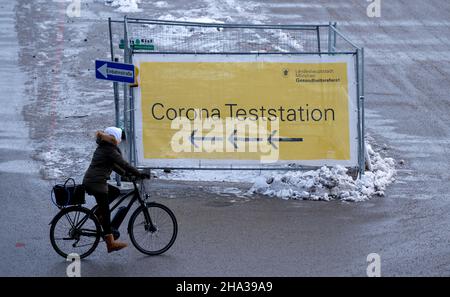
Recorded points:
(66, 195)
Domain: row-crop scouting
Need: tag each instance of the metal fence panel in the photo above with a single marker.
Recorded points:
(173, 37)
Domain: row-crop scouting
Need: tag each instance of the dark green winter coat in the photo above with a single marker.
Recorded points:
(107, 158)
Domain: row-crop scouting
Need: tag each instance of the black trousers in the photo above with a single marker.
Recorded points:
(103, 200)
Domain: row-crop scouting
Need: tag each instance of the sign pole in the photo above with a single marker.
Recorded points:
(125, 89)
(116, 92)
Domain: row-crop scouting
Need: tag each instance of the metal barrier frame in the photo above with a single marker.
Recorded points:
(333, 49)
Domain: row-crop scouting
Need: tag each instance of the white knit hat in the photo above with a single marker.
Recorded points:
(114, 131)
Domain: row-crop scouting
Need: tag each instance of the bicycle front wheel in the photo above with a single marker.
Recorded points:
(153, 229)
(76, 230)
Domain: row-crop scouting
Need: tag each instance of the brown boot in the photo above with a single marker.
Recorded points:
(113, 245)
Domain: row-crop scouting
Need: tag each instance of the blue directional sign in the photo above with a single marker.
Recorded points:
(113, 71)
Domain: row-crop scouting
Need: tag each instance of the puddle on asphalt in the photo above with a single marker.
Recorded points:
(228, 191)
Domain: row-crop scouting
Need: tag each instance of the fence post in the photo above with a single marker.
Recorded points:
(116, 92)
(334, 36)
(132, 123)
(329, 37)
(126, 57)
(358, 101)
(115, 84)
(318, 40)
(363, 144)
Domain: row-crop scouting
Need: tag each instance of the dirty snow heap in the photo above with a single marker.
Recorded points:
(329, 183)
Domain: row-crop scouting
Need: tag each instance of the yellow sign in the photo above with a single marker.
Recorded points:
(306, 107)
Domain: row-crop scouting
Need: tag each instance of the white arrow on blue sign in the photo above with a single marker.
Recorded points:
(113, 71)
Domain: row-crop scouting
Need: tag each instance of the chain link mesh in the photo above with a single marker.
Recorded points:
(172, 37)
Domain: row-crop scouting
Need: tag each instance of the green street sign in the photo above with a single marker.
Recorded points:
(138, 44)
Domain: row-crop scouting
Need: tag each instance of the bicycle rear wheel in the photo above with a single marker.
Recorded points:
(155, 234)
(75, 229)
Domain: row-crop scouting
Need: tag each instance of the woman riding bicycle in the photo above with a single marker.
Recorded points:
(107, 158)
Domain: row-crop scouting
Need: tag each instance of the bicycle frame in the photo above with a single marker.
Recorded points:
(136, 196)
(122, 198)
(84, 224)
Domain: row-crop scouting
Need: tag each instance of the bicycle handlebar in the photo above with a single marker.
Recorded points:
(133, 178)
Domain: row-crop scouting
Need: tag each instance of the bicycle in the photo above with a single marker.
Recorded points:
(150, 223)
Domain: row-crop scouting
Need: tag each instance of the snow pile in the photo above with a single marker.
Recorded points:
(329, 183)
(176, 37)
(173, 38)
(125, 5)
(200, 19)
(235, 11)
(213, 39)
(58, 164)
(323, 184)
